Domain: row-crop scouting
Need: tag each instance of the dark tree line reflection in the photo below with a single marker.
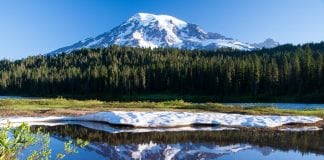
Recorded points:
(304, 142)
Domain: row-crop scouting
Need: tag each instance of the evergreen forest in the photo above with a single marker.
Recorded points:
(284, 71)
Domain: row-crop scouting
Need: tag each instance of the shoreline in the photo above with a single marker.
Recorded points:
(160, 97)
(60, 107)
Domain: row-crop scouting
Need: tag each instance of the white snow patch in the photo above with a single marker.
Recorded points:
(227, 43)
(170, 151)
(141, 148)
(120, 39)
(194, 39)
(94, 42)
(173, 119)
(222, 149)
(137, 35)
(163, 20)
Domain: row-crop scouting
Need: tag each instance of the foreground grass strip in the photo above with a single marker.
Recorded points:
(176, 105)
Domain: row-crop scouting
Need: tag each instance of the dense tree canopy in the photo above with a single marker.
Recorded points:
(282, 71)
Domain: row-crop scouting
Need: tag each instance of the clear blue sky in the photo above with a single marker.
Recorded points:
(30, 27)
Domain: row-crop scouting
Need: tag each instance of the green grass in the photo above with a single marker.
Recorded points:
(178, 105)
(158, 97)
(35, 104)
(210, 98)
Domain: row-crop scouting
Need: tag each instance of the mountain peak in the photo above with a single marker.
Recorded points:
(152, 31)
(164, 20)
(268, 43)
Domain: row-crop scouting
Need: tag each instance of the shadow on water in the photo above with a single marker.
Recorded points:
(191, 144)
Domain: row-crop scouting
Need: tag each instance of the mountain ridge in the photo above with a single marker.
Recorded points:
(152, 31)
(268, 43)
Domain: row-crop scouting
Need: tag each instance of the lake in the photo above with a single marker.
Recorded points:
(222, 145)
(279, 105)
(18, 97)
(10, 97)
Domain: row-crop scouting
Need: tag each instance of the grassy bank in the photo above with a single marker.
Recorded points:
(211, 98)
(158, 97)
(63, 106)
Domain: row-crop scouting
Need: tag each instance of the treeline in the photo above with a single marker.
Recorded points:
(283, 71)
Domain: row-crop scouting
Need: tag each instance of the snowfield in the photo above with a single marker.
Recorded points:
(165, 119)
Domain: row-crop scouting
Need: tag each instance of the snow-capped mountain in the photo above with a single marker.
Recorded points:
(268, 43)
(186, 150)
(152, 31)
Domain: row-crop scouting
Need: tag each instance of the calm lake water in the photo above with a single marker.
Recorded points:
(279, 105)
(18, 97)
(222, 145)
(10, 97)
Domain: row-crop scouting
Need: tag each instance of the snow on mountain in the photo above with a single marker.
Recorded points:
(184, 150)
(152, 31)
(268, 43)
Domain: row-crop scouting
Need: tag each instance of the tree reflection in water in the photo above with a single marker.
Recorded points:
(190, 144)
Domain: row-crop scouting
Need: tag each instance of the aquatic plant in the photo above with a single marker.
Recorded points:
(13, 140)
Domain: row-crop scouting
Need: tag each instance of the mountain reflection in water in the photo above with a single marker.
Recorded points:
(226, 144)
